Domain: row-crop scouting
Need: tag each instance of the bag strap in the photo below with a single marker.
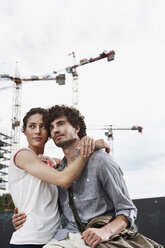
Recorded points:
(80, 225)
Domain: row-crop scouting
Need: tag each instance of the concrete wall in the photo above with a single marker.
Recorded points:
(6, 228)
(151, 218)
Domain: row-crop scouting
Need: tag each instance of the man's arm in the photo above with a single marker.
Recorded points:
(113, 183)
(94, 236)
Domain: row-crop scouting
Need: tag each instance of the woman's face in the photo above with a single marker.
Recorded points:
(36, 132)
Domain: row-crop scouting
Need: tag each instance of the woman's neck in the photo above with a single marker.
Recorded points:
(37, 150)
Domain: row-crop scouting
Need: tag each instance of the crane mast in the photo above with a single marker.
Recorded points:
(75, 83)
(16, 113)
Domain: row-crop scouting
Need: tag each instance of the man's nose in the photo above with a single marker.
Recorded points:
(55, 130)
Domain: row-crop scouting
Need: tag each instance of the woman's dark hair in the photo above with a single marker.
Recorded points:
(41, 111)
(73, 116)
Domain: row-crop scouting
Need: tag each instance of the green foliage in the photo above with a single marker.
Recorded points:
(2, 203)
(6, 202)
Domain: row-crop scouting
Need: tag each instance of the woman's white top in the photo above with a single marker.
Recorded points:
(38, 200)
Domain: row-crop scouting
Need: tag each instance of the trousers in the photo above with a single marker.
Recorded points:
(73, 240)
(25, 246)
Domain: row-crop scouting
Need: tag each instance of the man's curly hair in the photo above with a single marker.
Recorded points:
(73, 116)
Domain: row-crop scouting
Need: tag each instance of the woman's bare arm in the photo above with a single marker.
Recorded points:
(28, 161)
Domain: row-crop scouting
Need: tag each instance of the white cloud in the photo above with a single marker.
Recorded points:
(147, 182)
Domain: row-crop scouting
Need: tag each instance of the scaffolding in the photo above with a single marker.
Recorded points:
(5, 151)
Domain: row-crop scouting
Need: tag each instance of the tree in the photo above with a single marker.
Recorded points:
(6, 202)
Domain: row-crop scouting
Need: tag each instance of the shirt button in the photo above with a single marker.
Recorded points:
(74, 182)
(74, 197)
(87, 179)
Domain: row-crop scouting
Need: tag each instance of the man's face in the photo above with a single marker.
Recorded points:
(62, 132)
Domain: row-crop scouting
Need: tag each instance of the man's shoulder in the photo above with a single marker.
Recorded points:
(100, 154)
(99, 157)
(104, 160)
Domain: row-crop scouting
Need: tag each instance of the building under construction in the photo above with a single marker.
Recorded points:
(5, 150)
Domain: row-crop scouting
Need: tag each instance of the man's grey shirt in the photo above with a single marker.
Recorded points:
(99, 190)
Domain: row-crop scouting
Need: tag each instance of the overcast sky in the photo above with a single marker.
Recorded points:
(125, 92)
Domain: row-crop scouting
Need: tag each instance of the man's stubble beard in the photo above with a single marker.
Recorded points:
(65, 143)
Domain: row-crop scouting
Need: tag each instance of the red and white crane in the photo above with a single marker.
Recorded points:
(73, 70)
(109, 132)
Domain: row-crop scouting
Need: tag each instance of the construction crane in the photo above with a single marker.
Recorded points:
(109, 132)
(75, 83)
(16, 109)
(60, 79)
(73, 70)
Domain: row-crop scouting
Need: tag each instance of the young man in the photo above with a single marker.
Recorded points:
(100, 189)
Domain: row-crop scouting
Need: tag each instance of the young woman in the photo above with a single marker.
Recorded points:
(33, 180)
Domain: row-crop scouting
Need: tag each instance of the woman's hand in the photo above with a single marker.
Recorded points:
(86, 146)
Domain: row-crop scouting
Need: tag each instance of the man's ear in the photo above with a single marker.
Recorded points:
(77, 129)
